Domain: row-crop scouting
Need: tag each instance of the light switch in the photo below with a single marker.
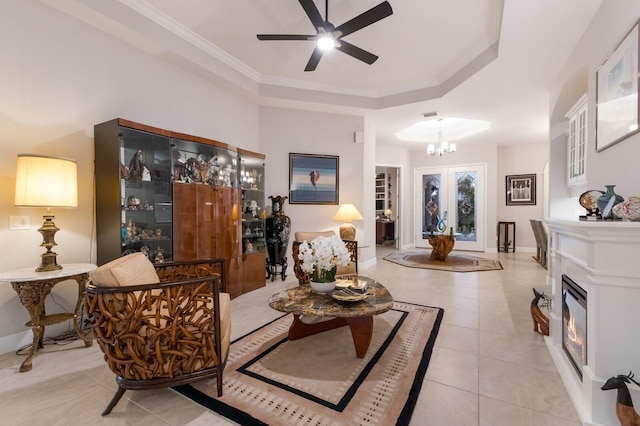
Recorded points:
(17, 223)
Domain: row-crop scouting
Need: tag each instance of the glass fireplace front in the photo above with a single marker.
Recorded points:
(574, 323)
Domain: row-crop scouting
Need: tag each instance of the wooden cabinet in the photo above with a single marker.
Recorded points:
(385, 231)
(190, 206)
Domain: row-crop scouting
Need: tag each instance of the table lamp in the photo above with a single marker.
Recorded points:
(43, 181)
(387, 214)
(347, 213)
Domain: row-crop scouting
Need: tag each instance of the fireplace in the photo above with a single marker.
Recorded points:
(574, 323)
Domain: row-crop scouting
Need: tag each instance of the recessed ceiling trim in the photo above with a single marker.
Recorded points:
(170, 24)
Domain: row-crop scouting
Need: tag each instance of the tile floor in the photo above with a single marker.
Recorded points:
(488, 366)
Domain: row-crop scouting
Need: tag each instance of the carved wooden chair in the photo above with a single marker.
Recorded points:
(300, 237)
(160, 325)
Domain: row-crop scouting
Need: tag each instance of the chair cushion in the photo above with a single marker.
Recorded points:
(132, 269)
(309, 236)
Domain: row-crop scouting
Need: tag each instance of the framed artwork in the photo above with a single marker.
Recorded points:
(617, 93)
(313, 179)
(521, 190)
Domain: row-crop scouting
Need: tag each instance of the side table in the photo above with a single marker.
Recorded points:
(33, 287)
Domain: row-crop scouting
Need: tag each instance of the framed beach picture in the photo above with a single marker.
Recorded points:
(617, 93)
(521, 190)
(313, 179)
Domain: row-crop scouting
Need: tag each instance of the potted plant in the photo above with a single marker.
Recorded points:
(321, 259)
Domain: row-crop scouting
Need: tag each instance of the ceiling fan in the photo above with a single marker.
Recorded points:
(328, 36)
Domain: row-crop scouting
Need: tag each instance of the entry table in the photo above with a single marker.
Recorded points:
(33, 287)
(357, 315)
(442, 245)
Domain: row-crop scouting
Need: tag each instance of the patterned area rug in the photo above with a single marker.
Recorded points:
(318, 379)
(455, 262)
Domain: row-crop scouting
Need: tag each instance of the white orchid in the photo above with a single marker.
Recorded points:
(322, 257)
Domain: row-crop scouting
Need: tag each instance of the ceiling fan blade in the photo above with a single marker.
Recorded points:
(356, 52)
(314, 59)
(285, 37)
(313, 13)
(372, 15)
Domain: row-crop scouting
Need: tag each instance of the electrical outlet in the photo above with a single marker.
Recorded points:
(17, 223)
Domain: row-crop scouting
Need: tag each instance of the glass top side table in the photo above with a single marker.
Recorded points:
(33, 288)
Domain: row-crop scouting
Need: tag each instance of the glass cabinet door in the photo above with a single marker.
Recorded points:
(145, 194)
(251, 181)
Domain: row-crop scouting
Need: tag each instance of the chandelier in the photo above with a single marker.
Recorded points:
(443, 146)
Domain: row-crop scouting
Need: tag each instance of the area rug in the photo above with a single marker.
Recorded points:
(455, 262)
(318, 380)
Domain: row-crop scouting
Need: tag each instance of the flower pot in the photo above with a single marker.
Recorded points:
(323, 287)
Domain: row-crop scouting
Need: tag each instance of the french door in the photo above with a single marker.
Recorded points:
(451, 197)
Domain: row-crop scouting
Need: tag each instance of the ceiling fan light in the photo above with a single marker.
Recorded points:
(452, 147)
(326, 43)
(431, 149)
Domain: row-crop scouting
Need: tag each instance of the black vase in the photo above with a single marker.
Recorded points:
(278, 228)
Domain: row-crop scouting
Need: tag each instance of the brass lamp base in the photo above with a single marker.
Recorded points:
(348, 231)
(48, 231)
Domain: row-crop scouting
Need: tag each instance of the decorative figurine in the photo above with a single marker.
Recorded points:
(136, 166)
(540, 320)
(627, 415)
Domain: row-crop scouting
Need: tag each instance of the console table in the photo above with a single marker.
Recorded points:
(385, 231)
(33, 287)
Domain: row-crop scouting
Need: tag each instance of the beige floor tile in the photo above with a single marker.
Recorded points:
(498, 413)
(461, 318)
(454, 368)
(440, 405)
(528, 352)
(527, 387)
(458, 338)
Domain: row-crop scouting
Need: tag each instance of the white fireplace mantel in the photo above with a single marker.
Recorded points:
(604, 259)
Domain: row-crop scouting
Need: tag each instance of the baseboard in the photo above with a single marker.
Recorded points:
(13, 342)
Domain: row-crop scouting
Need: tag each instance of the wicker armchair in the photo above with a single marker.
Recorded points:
(300, 237)
(172, 331)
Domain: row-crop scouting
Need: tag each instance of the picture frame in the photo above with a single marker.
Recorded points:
(617, 102)
(313, 179)
(521, 190)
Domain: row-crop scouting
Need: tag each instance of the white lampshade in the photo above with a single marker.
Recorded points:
(46, 182)
(347, 213)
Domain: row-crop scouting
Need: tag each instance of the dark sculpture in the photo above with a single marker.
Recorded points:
(627, 416)
(540, 320)
(278, 228)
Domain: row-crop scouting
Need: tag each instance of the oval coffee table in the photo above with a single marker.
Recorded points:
(358, 315)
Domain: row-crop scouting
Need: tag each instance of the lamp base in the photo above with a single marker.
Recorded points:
(348, 231)
(48, 231)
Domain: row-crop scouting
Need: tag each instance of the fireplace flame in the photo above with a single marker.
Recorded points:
(573, 335)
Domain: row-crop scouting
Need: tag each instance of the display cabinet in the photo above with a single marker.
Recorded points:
(251, 181)
(133, 193)
(180, 197)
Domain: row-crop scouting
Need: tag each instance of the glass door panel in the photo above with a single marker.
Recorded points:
(451, 197)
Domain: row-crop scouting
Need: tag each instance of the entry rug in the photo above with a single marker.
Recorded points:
(454, 263)
(318, 380)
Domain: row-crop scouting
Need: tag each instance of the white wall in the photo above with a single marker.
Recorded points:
(285, 131)
(618, 164)
(59, 78)
(516, 160)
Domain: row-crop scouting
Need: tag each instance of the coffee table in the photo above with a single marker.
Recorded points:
(358, 315)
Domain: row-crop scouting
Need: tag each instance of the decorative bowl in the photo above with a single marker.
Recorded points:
(629, 209)
(323, 287)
